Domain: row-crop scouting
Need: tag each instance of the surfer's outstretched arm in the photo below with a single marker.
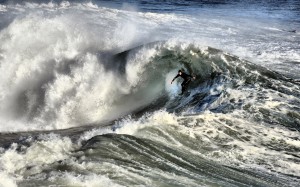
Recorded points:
(175, 78)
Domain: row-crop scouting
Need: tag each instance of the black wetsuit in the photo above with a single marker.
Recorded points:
(186, 80)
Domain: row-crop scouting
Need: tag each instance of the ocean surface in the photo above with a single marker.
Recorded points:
(86, 97)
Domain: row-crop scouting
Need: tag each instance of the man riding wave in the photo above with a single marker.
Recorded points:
(186, 80)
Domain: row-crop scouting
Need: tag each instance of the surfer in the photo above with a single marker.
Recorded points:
(186, 80)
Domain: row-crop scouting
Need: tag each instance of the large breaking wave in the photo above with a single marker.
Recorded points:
(48, 92)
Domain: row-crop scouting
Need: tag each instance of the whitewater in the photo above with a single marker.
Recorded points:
(86, 97)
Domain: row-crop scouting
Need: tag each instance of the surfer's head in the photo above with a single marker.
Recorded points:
(179, 72)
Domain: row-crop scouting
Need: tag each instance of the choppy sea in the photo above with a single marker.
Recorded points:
(86, 97)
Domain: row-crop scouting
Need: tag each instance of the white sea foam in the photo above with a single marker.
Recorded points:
(232, 140)
(51, 149)
(7, 180)
(92, 180)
